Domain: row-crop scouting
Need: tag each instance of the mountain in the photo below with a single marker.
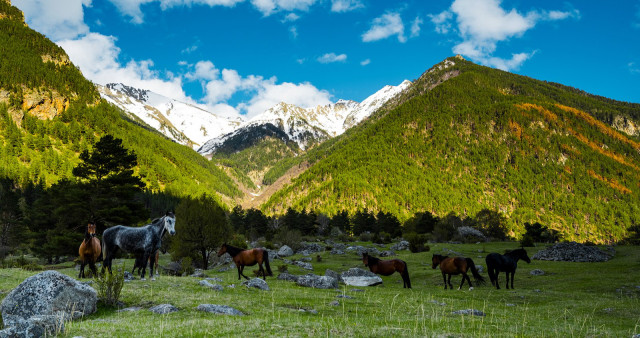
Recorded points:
(464, 138)
(49, 114)
(182, 122)
(308, 127)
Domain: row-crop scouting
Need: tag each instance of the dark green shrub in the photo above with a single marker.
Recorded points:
(417, 242)
(109, 286)
(186, 266)
(283, 268)
(291, 238)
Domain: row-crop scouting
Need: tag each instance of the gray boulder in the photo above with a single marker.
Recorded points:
(256, 283)
(288, 277)
(310, 248)
(360, 277)
(285, 251)
(219, 309)
(163, 309)
(336, 251)
(317, 282)
(359, 250)
(572, 252)
(304, 265)
(402, 245)
(43, 302)
(387, 253)
(333, 274)
(537, 272)
(207, 284)
(471, 312)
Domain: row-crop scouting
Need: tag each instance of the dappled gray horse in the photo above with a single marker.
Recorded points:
(143, 241)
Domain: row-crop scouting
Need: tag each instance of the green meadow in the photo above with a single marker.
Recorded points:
(570, 299)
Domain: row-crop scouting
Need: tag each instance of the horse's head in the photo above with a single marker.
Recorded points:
(523, 255)
(91, 229)
(365, 258)
(170, 223)
(435, 260)
(222, 250)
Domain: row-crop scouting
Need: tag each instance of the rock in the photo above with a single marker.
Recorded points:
(173, 268)
(206, 283)
(256, 283)
(333, 274)
(219, 309)
(163, 309)
(344, 296)
(537, 272)
(469, 312)
(480, 268)
(198, 274)
(387, 253)
(572, 252)
(310, 248)
(334, 303)
(285, 251)
(130, 309)
(318, 282)
(438, 303)
(356, 290)
(335, 251)
(41, 303)
(288, 277)
(402, 245)
(305, 259)
(360, 277)
(304, 265)
(215, 279)
(128, 276)
(359, 250)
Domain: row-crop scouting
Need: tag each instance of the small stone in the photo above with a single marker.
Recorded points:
(334, 303)
(219, 309)
(537, 272)
(130, 309)
(163, 309)
(472, 312)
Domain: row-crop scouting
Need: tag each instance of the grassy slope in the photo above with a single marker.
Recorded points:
(571, 299)
(483, 139)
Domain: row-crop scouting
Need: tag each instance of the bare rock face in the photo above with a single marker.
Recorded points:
(626, 126)
(42, 303)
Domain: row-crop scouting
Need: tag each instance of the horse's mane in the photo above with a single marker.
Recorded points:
(233, 250)
(372, 260)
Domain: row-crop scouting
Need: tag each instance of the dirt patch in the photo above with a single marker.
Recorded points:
(255, 199)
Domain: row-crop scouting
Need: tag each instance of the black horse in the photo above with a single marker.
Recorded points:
(507, 263)
(144, 241)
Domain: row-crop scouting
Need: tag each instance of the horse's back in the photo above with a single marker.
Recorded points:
(499, 262)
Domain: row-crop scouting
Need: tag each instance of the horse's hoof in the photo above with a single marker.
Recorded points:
(470, 288)
(153, 278)
(143, 279)
(458, 288)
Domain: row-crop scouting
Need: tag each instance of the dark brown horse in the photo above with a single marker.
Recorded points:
(387, 267)
(242, 258)
(139, 264)
(455, 266)
(89, 250)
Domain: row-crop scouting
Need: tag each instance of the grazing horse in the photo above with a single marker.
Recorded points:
(89, 250)
(388, 267)
(455, 266)
(242, 257)
(144, 241)
(507, 263)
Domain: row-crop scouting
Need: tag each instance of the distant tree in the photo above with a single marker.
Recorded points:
(634, 234)
(446, 228)
(257, 224)
(389, 223)
(341, 221)
(324, 222)
(363, 221)
(492, 223)
(421, 223)
(236, 220)
(12, 229)
(201, 228)
(537, 232)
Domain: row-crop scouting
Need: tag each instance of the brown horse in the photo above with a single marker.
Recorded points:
(242, 257)
(455, 266)
(387, 268)
(89, 250)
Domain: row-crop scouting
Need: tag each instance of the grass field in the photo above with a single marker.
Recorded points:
(570, 299)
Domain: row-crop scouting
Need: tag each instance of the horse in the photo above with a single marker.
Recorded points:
(507, 263)
(89, 250)
(144, 241)
(387, 267)
(139, 264)
(455, 266)
(242, 257)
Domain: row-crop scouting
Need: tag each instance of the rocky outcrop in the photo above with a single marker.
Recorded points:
(626, 126)
(219, 309)
(42, 303)
(317, 282)
(572, 252)
(44, 105)
(256, 283)
(360, 277)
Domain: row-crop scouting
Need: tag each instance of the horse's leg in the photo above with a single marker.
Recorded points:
(261, 270)
(497, 279)
(445, 279)
(145, 259)
(241, 272)
(507, 273)
(92, 265)
(449, 282)
(81, 274)
(512, 274)
(464, 276)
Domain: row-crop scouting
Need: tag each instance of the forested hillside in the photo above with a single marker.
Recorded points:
(467, 137)
(49, 114)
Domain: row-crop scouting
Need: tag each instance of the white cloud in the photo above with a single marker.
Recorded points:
(633, 68)
(385, 26)
(97, 57)
(268, 7)
(415, 27)
(189, 49)
(291, 17)
(294, 32)
(332, 57)
(342, 6)
(62, 19)
(365, 62)
(482, 24)
(132, 9)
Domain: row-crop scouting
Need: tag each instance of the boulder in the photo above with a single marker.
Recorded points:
(198, 274)
(309, 248)
(43, 302)
(207, 284)
(471, 312)
(402, 245)
(336, 251)
(317, 282)
(288, 277)
(537, 272)
(256, 283)
(359, 250)
(387, 253)
(304, 265)
(219, 309)
(360, 277)
(163, 309)
(572, 252)
(333, 274)
(285, 251)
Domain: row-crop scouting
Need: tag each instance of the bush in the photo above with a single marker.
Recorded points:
(527, 241)
(382, 237)
(417, 242)
(469, 235)
(366, 236)
(290, 238)
(186, 266)
(537, 232)
(283, 268)
(109, 286)
(238, 240)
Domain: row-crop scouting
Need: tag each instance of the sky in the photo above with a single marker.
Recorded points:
(241, 57)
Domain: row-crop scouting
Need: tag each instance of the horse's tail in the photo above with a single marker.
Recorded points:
(405, 275)
(490, 270)
(479, 279)
(266, 263)
(104, 249)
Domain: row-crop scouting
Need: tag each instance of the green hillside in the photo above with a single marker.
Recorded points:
(49, 113)
(467, 137)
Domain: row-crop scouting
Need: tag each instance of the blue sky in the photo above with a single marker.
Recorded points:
(243, 56)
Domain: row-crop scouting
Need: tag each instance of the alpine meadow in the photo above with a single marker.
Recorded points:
(345, 217)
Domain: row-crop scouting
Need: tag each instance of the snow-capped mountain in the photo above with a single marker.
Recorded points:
(181, 122)
(309, 126)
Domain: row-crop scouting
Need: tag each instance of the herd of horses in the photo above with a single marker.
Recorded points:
(144, 242)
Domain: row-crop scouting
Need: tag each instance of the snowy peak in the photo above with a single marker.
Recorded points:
(182, 122)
